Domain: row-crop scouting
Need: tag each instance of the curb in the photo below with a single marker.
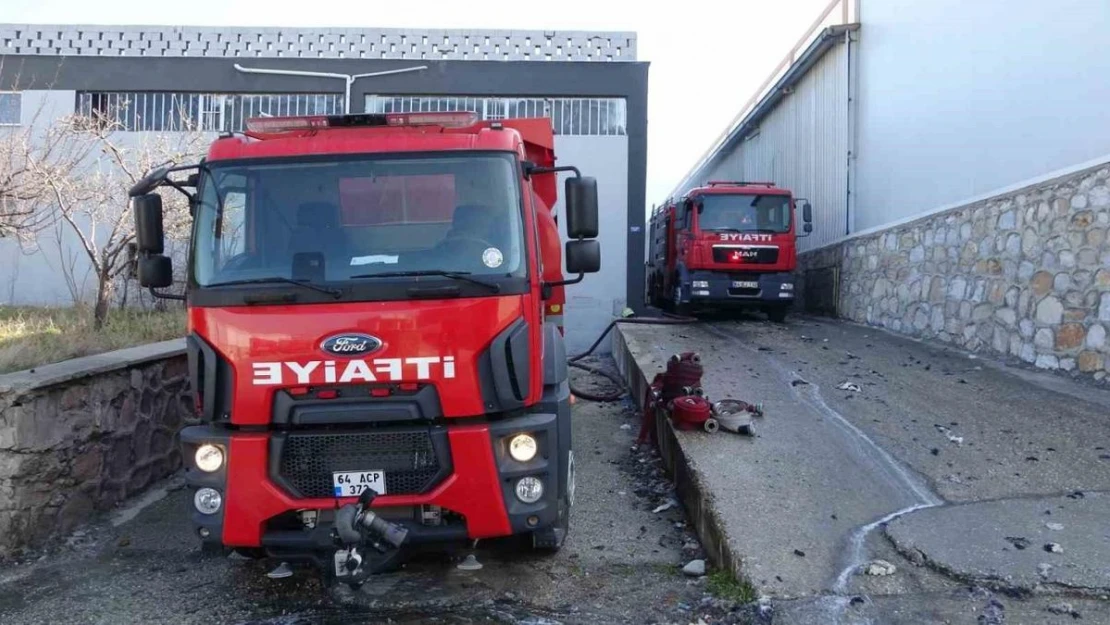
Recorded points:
(693, 494)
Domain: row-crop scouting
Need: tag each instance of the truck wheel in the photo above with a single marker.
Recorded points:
(677, 307)
(777, 313)
(550, 540)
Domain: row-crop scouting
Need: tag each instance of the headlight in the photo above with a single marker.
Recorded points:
(209, 458)
(208, 501)
(523, 447)
(529, 489)
(701, 284)
(787, 286)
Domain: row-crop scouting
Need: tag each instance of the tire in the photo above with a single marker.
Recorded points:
(550, 540)
(251, 553)
(677, 307)
(777, 313)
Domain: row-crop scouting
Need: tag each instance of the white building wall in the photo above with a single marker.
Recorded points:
(52, 268)
(594, 302)
(960, 98)
(802, 145)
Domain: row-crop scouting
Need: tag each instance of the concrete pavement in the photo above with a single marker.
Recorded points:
(830, 469)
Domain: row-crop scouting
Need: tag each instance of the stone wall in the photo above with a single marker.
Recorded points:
(79, 436)
(1025, 275)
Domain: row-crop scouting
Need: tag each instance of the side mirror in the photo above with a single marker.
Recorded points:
(583, 256)
(807, 213)
(155, 271)
(148, 223)
(581, 204)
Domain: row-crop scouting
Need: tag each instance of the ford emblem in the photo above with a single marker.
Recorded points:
(351, 345)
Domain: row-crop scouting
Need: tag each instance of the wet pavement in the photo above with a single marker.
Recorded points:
(867, 433)
(621, 564)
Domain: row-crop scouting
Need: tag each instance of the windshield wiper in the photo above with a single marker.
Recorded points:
(336, 293)
(456, 275)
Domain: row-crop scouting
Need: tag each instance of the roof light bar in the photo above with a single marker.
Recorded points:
(266, 125)
(452, 120)
(739, 183)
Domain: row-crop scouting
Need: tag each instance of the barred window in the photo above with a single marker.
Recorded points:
(569, 116)
(145, 111)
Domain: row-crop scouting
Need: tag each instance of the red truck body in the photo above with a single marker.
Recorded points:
(724, 244)
(332, 354)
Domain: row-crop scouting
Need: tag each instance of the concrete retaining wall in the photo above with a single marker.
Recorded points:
(1024, 275)
(638, 365)
(79, 436)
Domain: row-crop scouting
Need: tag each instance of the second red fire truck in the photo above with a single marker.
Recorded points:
(725, 244)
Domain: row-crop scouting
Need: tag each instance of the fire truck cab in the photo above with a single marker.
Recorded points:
(374, 334)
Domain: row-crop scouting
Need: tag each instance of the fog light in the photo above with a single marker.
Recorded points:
(533, 521)
(523, 447)
(209, 458)
(701, 292)
(701, 284)
(208, 500)
(787, 286)
(204, 532)
(529, 489)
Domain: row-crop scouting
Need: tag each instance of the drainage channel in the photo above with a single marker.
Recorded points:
(865, 449)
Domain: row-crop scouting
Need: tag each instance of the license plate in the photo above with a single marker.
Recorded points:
(740, 284)
(352, 484)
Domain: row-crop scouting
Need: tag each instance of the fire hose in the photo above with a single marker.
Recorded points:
(621, 390)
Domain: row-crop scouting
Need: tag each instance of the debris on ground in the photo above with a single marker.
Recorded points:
(993, 614)
(1064, 608)
(1053, 548)
(1054, 526)
(849, 386)
(1043, 569)
(663, 508)
(694, 568)
(626, 426)
(949, 434)
(799, 553)
(798, 382)
(1018, 542)
(879, 568)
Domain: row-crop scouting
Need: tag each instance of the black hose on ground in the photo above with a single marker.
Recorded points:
(621, 391)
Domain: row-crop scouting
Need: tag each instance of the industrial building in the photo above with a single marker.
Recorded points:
(162, 79)
(956, 157)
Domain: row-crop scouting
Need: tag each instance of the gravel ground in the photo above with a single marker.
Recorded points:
(621, 564)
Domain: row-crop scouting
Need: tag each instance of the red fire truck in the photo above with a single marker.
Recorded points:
(374, 334)
(725, 244)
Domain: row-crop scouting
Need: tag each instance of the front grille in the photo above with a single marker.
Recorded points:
(408, 457)
(745, 254)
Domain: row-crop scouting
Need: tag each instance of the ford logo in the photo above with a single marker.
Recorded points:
(350, 345)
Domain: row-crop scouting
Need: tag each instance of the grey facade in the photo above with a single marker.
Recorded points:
(87, 75)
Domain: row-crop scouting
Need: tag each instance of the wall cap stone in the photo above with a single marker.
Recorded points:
(61, 372)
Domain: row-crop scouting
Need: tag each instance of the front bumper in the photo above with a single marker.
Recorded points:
(476, 492)
(739, 288)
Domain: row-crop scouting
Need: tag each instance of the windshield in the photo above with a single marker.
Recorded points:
(353, 218)
(763, 213)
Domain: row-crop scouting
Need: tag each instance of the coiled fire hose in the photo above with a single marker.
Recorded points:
(621, 390)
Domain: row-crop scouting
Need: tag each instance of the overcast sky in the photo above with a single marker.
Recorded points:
(704, 64)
